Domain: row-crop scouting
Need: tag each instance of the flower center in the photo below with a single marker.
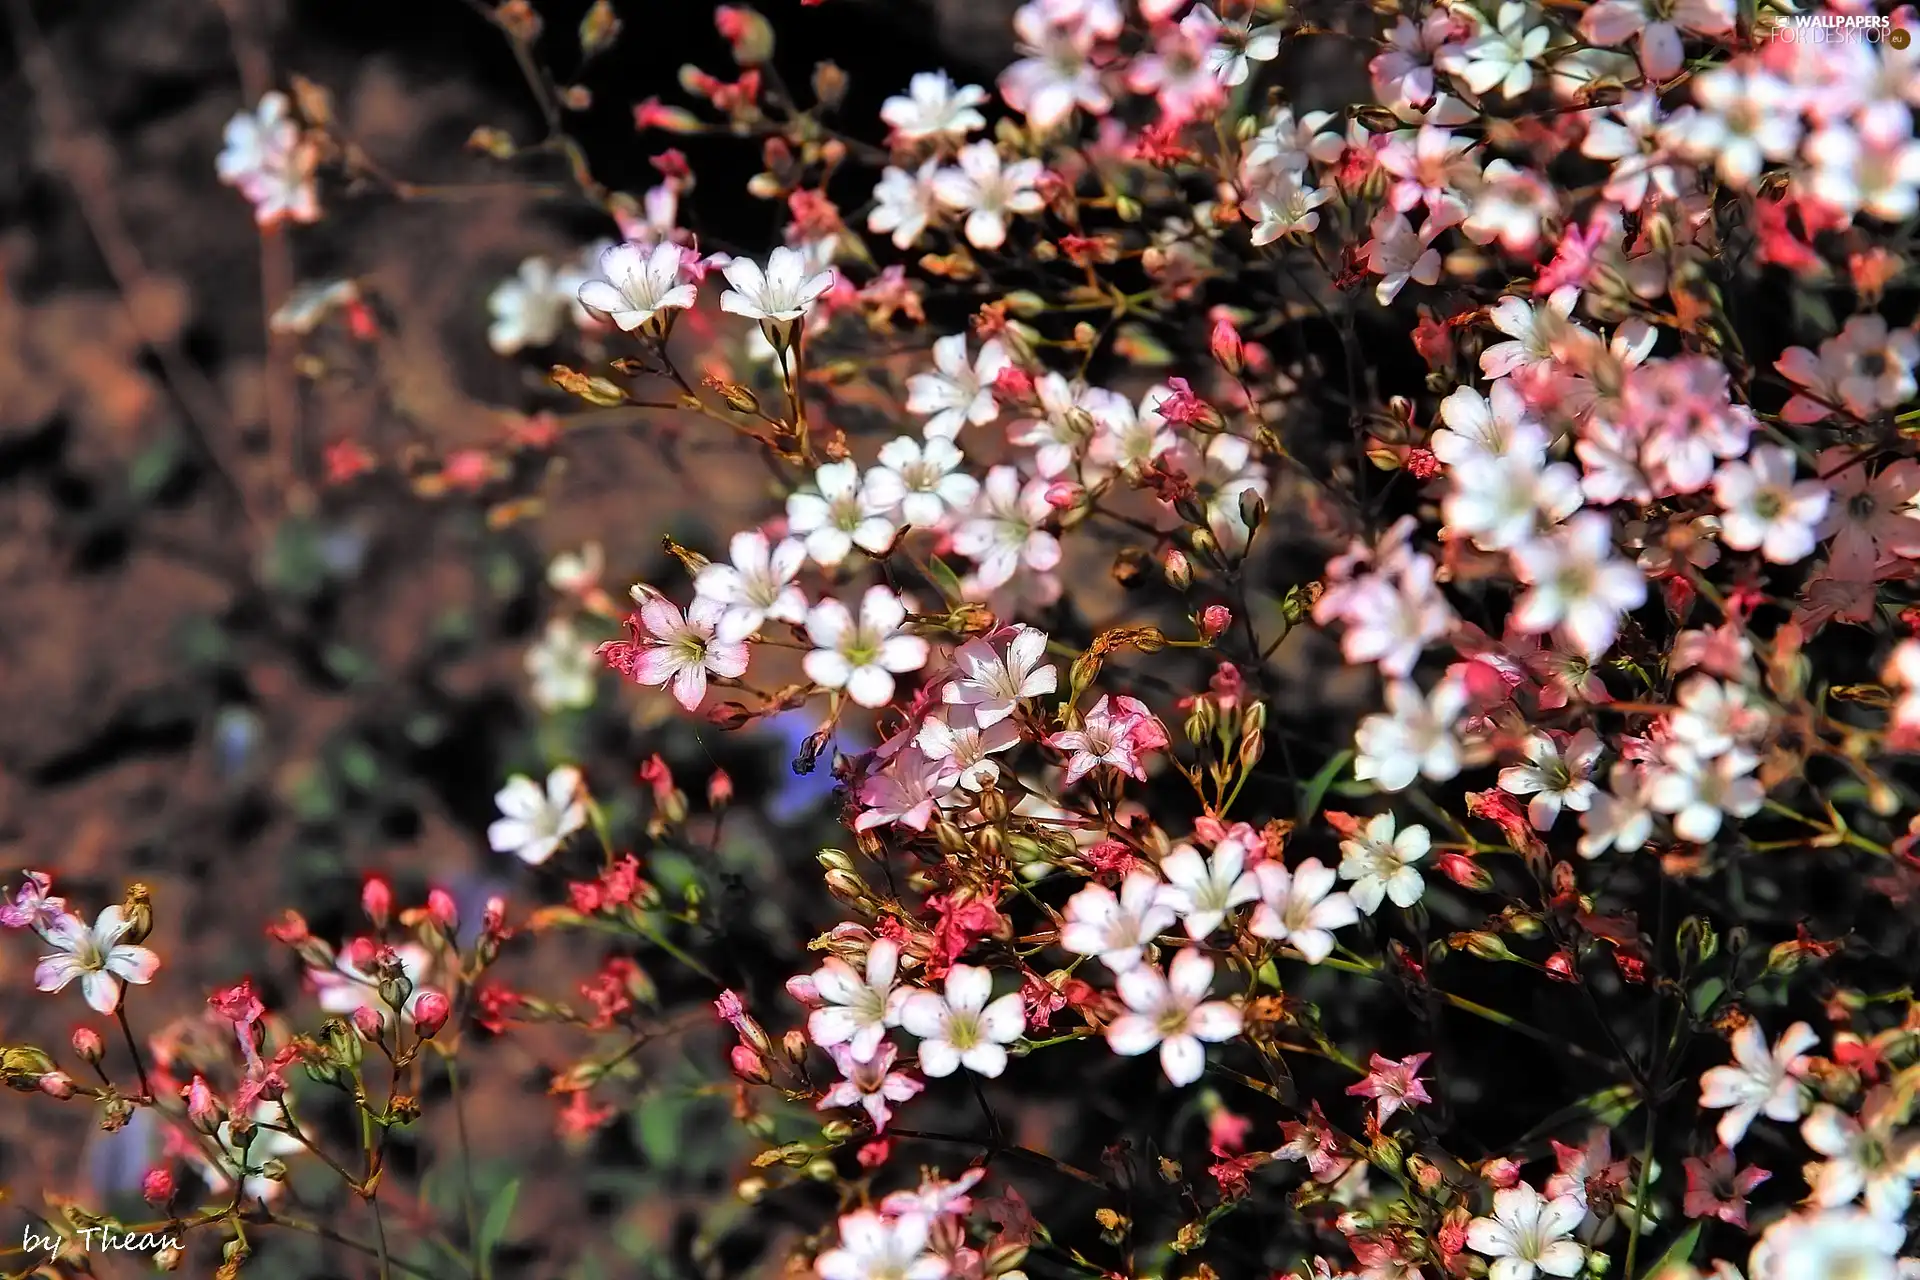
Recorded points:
(963, 1029)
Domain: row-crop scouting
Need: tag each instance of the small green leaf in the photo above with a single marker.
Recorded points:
(494, 1225)
(1677, 1252)
(1315, 789)
(945, 579)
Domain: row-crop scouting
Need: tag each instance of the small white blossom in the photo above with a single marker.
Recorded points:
(96, 955)
(1380, 863)
(960, 1028)
(862, 657)
(1202, 890)
(1172, 1011)
(839, 514)
(955, 393)
(640, 287)
(1528, 1234)
(921, 481)
(758, 584)
(1116, 928)
(1416, 737)
(934, 107)
(1758, 1081)
(1762, 509)
(533, 823)
(1300, 907)
(1558, 774)
(988, 191)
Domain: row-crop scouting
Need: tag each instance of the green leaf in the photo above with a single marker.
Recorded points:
(657, 1125)
(945, 579)
(494, 1225)
(1677, 1252)
(1315, 789)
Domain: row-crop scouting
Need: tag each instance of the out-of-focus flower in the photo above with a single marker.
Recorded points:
(533, 822)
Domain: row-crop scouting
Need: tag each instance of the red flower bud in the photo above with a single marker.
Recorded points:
(1228, 350)
(57, 1084)
(367, 1021)
(87, 1045)
(376, 899)
(1064, 495)
(748, 1065)
(443, 911)
(874, 1154)
(156, 1188)
(719, 790)
(1465, 872)
(1214, 621)
(430, 1012)
(1012, 385)
(202, 1107)
(1560, 967)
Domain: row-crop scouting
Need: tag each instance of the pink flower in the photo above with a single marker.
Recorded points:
(1114, 733)
(871, 1085)
(31, 908)
(1715, 1190)
(667, 648)
(1392, 1085)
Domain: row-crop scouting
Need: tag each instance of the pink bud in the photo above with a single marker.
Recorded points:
(156, 1188)
(1214, 621)
(87, 1045)
(367, 1021)
(1064, 495)
(443, 911)
(749, 1066)
(1422, 464)
(1560, 967)
(1012, 385)
(376, 899)
(1228, 351)
(57, 1084)
(1501, 1172)
(202, 1107)
(874, 1154)
(430, 1012)
(800, 986)
(719, 790)
(1465, 872)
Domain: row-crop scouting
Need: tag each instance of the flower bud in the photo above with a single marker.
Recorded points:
(1561, 968)
(1178, 569)
(169, 1258)
(404, 1109)
(1487, 946)
(87, 1045)
(1064, 495)
(794, 1045)
(1229, 352)
(203, 1109)
(138, 909)
(750, 34)
(443, 911)
(748, 1065)
(430, 1012)
(156, 1187)
(57, 1084)
(368, 1024)
(376, 899)
(1214, 621)
(1464, 871)
(719, 790)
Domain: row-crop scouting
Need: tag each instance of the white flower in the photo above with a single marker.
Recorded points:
(1117, 929)
(1698, 792)
(988, 191)
(1865, 1155)
(994, 685)
(1301, 908)
(758, 584)
(870, 1085)
(528, 308)
(960, 1029)
(677, 650)
(1202, 890)
(1232, 49)
(838, 514)
(639, 286)
(1416, 737)
(562, 667)
(933, 108)
(1857, 174)
(95, 955)
(1534, 332)
(1745, 117)
(1283, 204)
(533, 823)
(904, 203)
(1055, 72)
(1501, 57)
(859, 1007)
(960, 741)
(1761, 508)
(780, 295)
(1172, 1011)
(1757, 1082)
(1391, 619)
(1290, 145)
(1397, 253)
(1528, 1234)
(955, 393)
(1482, 427)
(1380, 863)
(1558, 773)
(862, 657)
(1617, 819)
(921, 480)
(268, 161)
(1003, 531)
(1658, 24)
(1578, 585)
(1714, 717)
(1842, 1243)
(1504, 501)
(876, 1248)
